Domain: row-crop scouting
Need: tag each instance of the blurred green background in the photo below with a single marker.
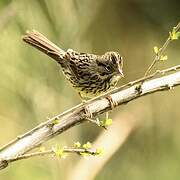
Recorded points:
(33, 88)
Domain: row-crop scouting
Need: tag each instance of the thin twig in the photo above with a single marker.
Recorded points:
(161, 51)
(79, 151)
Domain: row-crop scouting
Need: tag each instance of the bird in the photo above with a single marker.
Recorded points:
(89, 74)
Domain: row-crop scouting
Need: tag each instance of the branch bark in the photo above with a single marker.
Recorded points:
(60, 123)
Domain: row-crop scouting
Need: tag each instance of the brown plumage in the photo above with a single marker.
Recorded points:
(89, 74)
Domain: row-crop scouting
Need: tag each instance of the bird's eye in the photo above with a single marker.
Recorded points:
(108, 68)
(104, 67)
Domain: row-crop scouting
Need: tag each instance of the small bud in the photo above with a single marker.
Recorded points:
(59, 152)
(106, 122)
(87, 146)
(156, 50)
(163, 58)
(174, 35)
(55, 121)
(99, 151)
(77, 144)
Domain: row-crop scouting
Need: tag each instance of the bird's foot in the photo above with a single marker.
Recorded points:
(111, 102)
(89, 117)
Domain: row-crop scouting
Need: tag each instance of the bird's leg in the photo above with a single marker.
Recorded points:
(107, 115)
(88, 114)
(87, 111)
(112, 105)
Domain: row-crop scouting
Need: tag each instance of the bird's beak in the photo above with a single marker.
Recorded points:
(120, 72)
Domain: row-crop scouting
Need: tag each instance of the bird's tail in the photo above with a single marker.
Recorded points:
(40, 42)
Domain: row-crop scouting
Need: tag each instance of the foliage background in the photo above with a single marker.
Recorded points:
(32, 88)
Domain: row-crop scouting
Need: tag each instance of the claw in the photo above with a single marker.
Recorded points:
(88, 113)
(111, 102)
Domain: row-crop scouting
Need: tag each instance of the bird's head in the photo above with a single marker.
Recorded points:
(110, 64)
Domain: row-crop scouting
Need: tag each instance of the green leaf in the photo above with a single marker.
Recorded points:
(87, 146)
(59, 152)
(99, 151)
(156, 50)
(163, 58)
(106, 122)
(55, 121)
(77, 144)
(174, 35)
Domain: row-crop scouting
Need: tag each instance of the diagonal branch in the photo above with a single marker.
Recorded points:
(62, 122)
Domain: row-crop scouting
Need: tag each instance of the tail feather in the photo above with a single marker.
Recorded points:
(40, 42)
